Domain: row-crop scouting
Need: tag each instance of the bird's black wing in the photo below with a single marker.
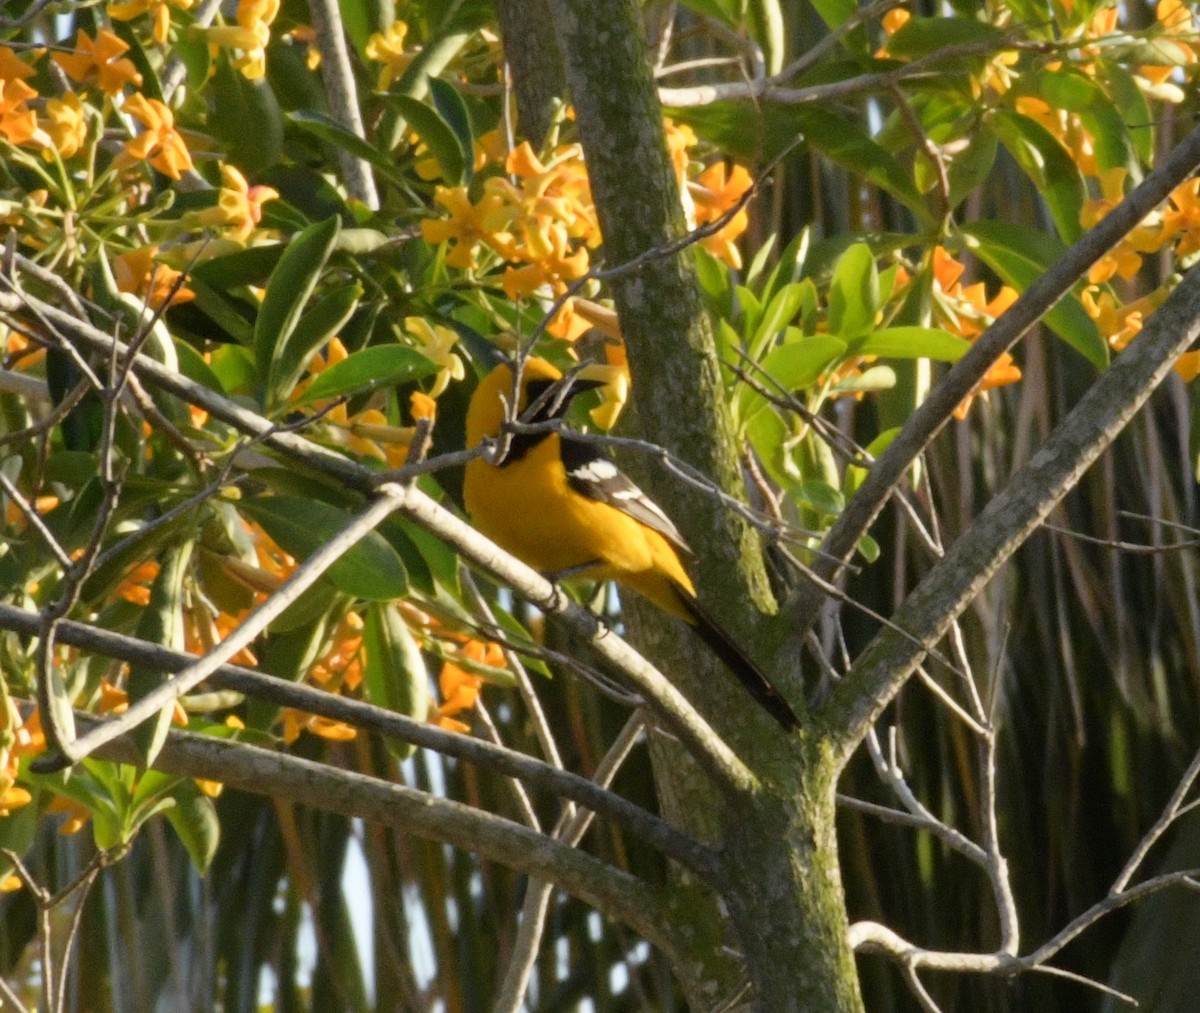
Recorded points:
(596, 476)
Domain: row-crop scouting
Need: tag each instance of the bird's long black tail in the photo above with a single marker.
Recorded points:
(738, 662)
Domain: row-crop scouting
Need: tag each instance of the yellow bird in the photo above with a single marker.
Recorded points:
(560, 505)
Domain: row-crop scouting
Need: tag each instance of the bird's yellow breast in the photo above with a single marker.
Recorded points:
(528, 508)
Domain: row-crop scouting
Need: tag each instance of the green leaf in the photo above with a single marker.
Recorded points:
(326, 128)
(971, 167)
(791, 264)
(363, 18)
(234, 367)
(439, 137)
(868, 548)
(855, 474)
(749, 132)
(759, 262)
(923, 36)
(246, 118)
(370, 569)
(1049, 166)
(835, 13)
(820, 496)
(1075, 92)
(222, 310)
(1020, 256)
(453, 111)
(374, 367)
(161, 623)
(854, 293)
(252, 266)
(715, 283)
(767, 29)
(1133, 108)
(194, 819)
(844, 141)
(874, 379)
(914, 343)
(394, 675)
(288, 290)
(749, 308)
(193, 366)
(312, 331)
(799, 363)
(779, 312)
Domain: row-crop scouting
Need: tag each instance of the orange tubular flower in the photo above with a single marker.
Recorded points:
(135, 588)
(1181, 221)
(65, 125)
(459, 688)
(12, 67)
(465, 227)
(160, 144)
(967, 312)
(99, 62)
(159, 11)
(239, 206)
(139, 273)
(250, 36)
(18, 123)
(713, 195)
(388, 48)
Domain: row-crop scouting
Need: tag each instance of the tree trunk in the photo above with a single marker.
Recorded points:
(783, 911)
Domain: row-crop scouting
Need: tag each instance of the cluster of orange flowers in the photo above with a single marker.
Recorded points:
(539, 222)
(1176, 39)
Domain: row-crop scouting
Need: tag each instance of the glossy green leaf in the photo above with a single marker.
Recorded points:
(194, 820)
(314, 328)
(856, 474)
(747, 131)
(161, 623)
(854, 293)
(374, 367)
(779, 312)
(820, 496)
(845, 142)
(453, 111)
(715, 282)
(1048, 164)
(252, 266)
(873, 379)
(248, 118)
(329, 130)
(923, 36)
(438, 135)
(765, 24)
(1076, 92)
(288, 291)
(394, 675)
(798, 363)
(835, 13)
(914, 343)
(1133, 108)
(369, 569)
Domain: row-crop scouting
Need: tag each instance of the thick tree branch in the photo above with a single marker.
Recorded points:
(279, 775)
(285, 693)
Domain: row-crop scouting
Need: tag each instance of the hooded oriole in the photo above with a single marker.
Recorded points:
(557, 503)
